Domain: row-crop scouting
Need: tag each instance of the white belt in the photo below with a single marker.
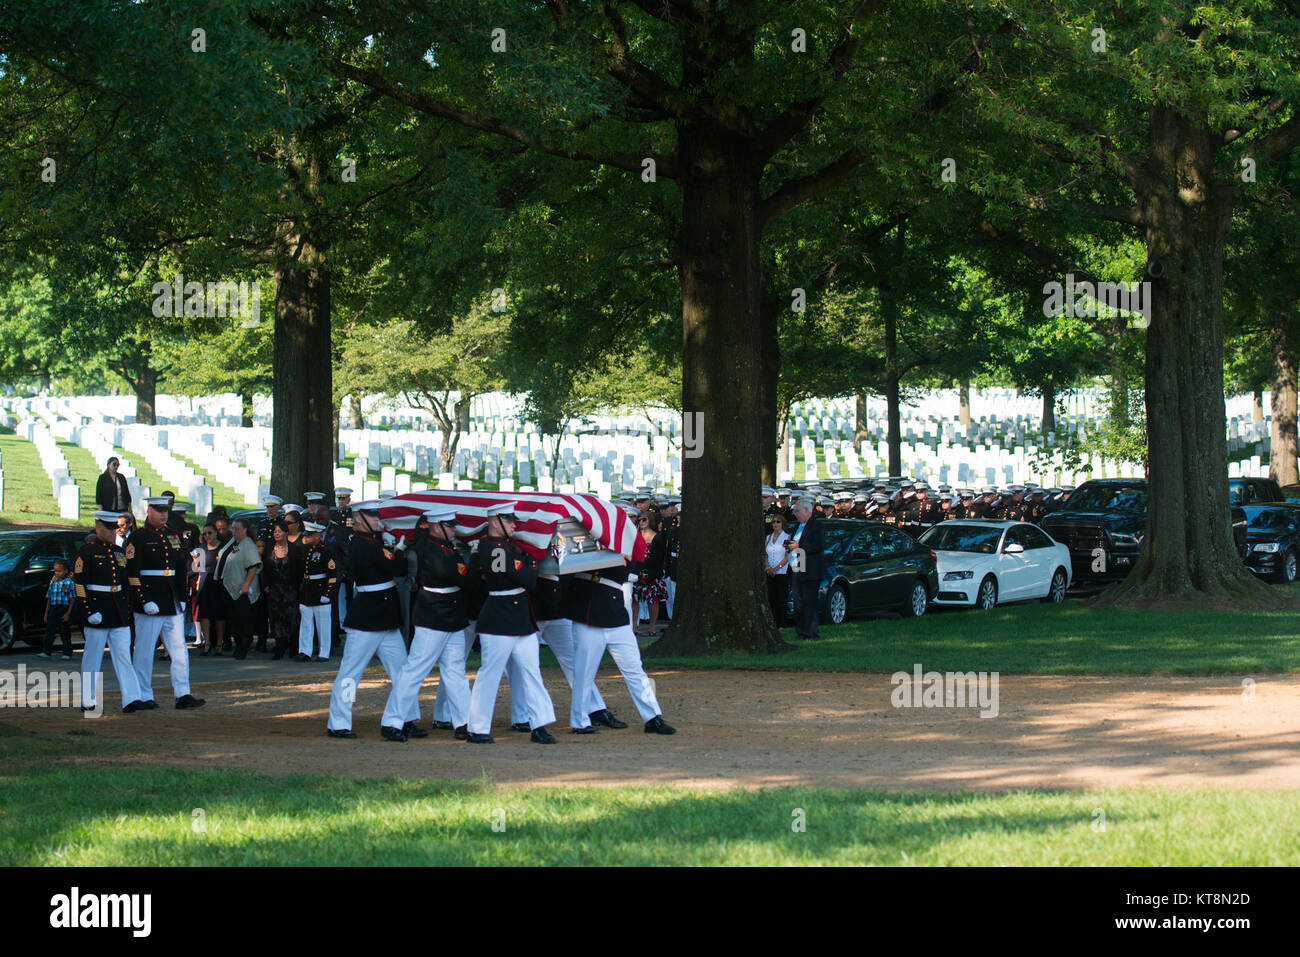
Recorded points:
(617, 586)
(507, 591)
(157, 572)
(444, 591)
(380, 587)
(107, 588)
(317, 577)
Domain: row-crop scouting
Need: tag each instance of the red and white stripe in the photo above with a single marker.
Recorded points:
(537, 512)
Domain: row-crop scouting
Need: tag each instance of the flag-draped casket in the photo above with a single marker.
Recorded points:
(575, 532)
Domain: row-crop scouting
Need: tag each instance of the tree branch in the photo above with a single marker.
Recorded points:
(795, 191)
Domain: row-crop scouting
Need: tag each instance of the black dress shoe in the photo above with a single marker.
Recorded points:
(442, 725)
(521, 726)
(393, 734)
(607, 719)
(300, 657)
(413, 730)
(344, 733)
(542, 736)
(589, 729)
(131, 707)
(461, 733)
(189, 701)
(479, 738)
(317, 658)
(149, 705)
(656, 725)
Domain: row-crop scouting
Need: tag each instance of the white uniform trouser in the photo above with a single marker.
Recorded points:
(441, 704)
(672, 595)
(92, 662)
(589, 644)
(313, 619)
(357, 652)
(496, 651)
(447, 648)
(559, 638)
(147, 630)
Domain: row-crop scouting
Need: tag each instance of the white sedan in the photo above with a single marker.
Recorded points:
(983, 563)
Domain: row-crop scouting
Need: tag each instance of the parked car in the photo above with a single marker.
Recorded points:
(872, 567)
(983, 563)
(1253, 491)
(26, 564)
(1273, 541)
(1105, 520)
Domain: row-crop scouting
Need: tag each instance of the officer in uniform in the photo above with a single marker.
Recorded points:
(910, 513)
(928, 512)
(156, 568)
(1014, 510)
(1034, 510)
(440, 622)
(982, 507)
(342, 510)
(861, 503)
(597, 605)
(374, 620)
(316, 594)
(962, 504)
(189, 535)
(99, 578)
(506, 628)
(843, 505)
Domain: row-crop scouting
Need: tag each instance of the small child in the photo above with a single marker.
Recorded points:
(58, 610)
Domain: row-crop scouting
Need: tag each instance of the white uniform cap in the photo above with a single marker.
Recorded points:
(343, 491)
(107, 517)
(440, 514)
(310, 497)
(180, 507)
(310, 527)
(294, 508)
(272, 500)
(505, 508)
(159, 501)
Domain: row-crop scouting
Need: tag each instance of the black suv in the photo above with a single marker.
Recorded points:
(1103, 524)
(26, 564)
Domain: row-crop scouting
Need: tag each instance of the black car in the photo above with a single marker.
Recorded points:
(1273, 541)
(1253, 491)
(873, 567)
(26, 564)
(1103, 524)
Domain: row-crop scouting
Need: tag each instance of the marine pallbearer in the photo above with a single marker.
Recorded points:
(99, 576)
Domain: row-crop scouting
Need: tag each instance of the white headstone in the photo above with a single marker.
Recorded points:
(369, 490)
(201, 502)
(403, 484)
(70, 502)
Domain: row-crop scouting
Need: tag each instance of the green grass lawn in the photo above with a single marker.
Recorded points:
(29, 496)
(1071, 638)
(92, 816)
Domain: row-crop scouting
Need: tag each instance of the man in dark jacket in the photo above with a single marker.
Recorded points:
(439, 617)
(506, 628)
(374, 619)
(807, 564)
(111, 493)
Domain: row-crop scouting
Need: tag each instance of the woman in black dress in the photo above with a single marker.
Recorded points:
(210, 606)
(650, 586)
(282, 570)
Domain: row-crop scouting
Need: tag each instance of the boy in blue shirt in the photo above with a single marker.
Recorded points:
(58, 611)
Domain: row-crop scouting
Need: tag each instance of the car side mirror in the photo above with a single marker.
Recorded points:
(1013, 548)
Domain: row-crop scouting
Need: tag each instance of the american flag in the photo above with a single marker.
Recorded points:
(537, 512)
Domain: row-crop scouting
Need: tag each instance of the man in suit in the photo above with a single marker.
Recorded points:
(807, 567)
(111, 493)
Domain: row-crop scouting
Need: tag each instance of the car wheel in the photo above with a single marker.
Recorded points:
(1056, 591)
(987, 597)
(1290, 567)
(8, 628)
(917, 600)
(837, 606)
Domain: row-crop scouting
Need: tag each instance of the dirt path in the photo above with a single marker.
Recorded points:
(761, 729)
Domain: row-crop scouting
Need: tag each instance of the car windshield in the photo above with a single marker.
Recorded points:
(11, 549)
(955, 537)
(1270, 518)
(1108, 498)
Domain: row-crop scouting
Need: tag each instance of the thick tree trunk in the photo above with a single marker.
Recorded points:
(246, 409)
(963, 403)
(302, 446)
(146, 397)
(1188, 552)
(355, 419)
(722, 604)
(1049, 409)
(1282, 458)
(770, 365)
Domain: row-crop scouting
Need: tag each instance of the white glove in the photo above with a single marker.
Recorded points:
(94, 619)
(389, 540)
(325, 599)
(150, 608)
